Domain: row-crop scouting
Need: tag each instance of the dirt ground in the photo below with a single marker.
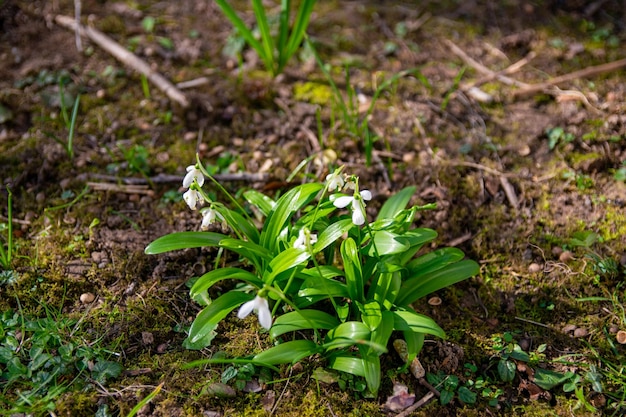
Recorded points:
(520, 177)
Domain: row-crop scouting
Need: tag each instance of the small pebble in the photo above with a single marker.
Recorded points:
(534, 268)
(581, 332)
(557, 251)
(87, 298)
(434, 301)
(569, 328)
(566, 256)
(147, 338)
(162, 348)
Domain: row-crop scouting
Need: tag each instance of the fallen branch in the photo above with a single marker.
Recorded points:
(170, 179)
(126, 57)
(530, 89)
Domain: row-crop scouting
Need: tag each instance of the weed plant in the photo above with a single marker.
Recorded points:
(43, 357)
(322, 281)
(6, 250)
(275, 47)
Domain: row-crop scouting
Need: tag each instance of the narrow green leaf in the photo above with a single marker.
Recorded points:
(371, 366)
(433, 261)
(183, 240)
(299, 30)
(287, 259)
(238, 222)
(422, 285)
(386, 288)
(414, 343)
(386, 243)
(352, 268)
(347, 334)
(348, 364)
(211, 315)
(288, 352)
(243, 30)
(371, 314)
(409, 320)
(249, 250)
(396, 203)
(260, 201)
(286, 206)
(332, 233)
(207, 280)
(266, 37)
(548, 379)
(301, 320)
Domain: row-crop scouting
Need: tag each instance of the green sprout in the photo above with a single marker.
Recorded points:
(274, 51)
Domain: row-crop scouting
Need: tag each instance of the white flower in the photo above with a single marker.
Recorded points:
(193, 173)
(208, 217)
(260, 306)
(305, 238)
(358, 205)
(192, 198)
(335, 181)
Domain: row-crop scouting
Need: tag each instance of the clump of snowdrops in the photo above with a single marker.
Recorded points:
(322, 278)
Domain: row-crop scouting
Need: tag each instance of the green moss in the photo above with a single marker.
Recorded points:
(312, 92)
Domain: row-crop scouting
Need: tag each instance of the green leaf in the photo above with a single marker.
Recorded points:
(466, 395)
(238, 222)
(288, 352)
(506, 370)
(346, 334)
(445, 396)
(386, 243)
(183, 240)
(380, 336)
(519, 354)
(260, 201)
(422, 285)
(371, 314)
(298, 31)
(331, 234)
(302, 319)
(211, 315)
(249, 250)
(243, 30)
(433, 261)
(409, 320)
(287, 259)
(371, 366)
(286, 206)
(105, 370)
(207, 280)
(352, 269)
(348, 364)
(386, 288)
(548, 379)
(396, 203)
(414, 343)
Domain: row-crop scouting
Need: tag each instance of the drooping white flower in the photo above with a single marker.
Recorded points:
(358, 204)
(261, 307)
(208, 217)
(335, 181)
(193, 173)
(305, 238)
(193, 198)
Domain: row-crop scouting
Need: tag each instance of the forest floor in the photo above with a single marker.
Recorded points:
(527, 173)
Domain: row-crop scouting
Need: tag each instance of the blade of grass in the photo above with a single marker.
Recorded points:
(266, 36)
(70, 135)
(145, 401)
(243, 30)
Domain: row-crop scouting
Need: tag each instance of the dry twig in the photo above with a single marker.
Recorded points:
(126, 57)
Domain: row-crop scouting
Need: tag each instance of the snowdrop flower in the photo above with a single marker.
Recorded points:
(260, 306)
(193, 173)
(192, 198)
(208, 217)
(335, 181)
(305, 238)
(358, 204)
